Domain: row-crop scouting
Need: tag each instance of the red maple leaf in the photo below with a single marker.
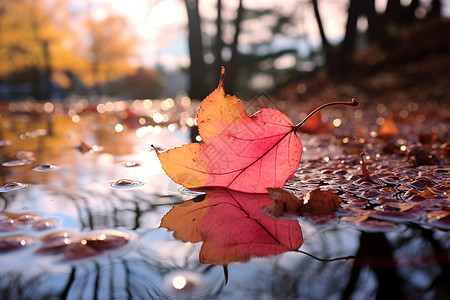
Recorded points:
(239, 152)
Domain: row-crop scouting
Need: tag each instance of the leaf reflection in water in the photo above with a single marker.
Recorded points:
(232, 227)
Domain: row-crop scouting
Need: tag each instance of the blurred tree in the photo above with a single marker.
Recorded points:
(142, 84)
(383, 28)
(209, 49)
(197, 71)
(40, 45)
(111, 47)
(30, 34)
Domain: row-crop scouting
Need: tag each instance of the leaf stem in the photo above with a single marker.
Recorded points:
(327, 260)
(222, 77)
(352, 103)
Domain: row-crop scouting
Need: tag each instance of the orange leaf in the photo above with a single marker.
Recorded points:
(284, 202)
(316, 202)
(356, 219)
(239, 152)
(388, 129)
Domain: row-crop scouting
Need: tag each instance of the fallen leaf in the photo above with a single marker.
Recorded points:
(316, 202)
(364, 169)
(84, 148)
(13, 242)
(437, 215)
(388, 129)
(78, 251)
(428, 138)
(421, 156)
(239, 152)
(405, 206)
(428, 192)
(284, 202)
(232, 227)
(355, 219)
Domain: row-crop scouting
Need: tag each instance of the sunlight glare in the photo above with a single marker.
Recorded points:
(118, 128)
(179, 282)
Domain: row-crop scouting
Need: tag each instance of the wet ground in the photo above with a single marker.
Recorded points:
(83, 196)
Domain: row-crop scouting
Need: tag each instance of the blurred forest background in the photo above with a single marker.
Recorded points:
(51, 49)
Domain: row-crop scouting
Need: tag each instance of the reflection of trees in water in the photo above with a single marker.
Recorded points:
(397, 265)
(412, 262)
(108, 278)
(137, 274)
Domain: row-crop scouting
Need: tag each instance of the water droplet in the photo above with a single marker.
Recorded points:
(5, 143)
(12, 186)
(131, 164)
(125, 184)
(46, 167)
(25, 155)
(17, 163)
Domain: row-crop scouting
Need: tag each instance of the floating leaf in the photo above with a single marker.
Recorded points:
(106, 240)
(356, 219)
(239, 152)
(13, 242)
(44, 224)
(439, 219)
(57, 236)
(316, 202)
(8, 224)
(284, 202)
(405, 206)
(79, 250)
(376, 226)
(23, 218)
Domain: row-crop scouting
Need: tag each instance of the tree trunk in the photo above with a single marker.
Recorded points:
(330, 57)
(197, 70)
(232, 72)
(436, 7)
(47, 86)
(219, 42)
